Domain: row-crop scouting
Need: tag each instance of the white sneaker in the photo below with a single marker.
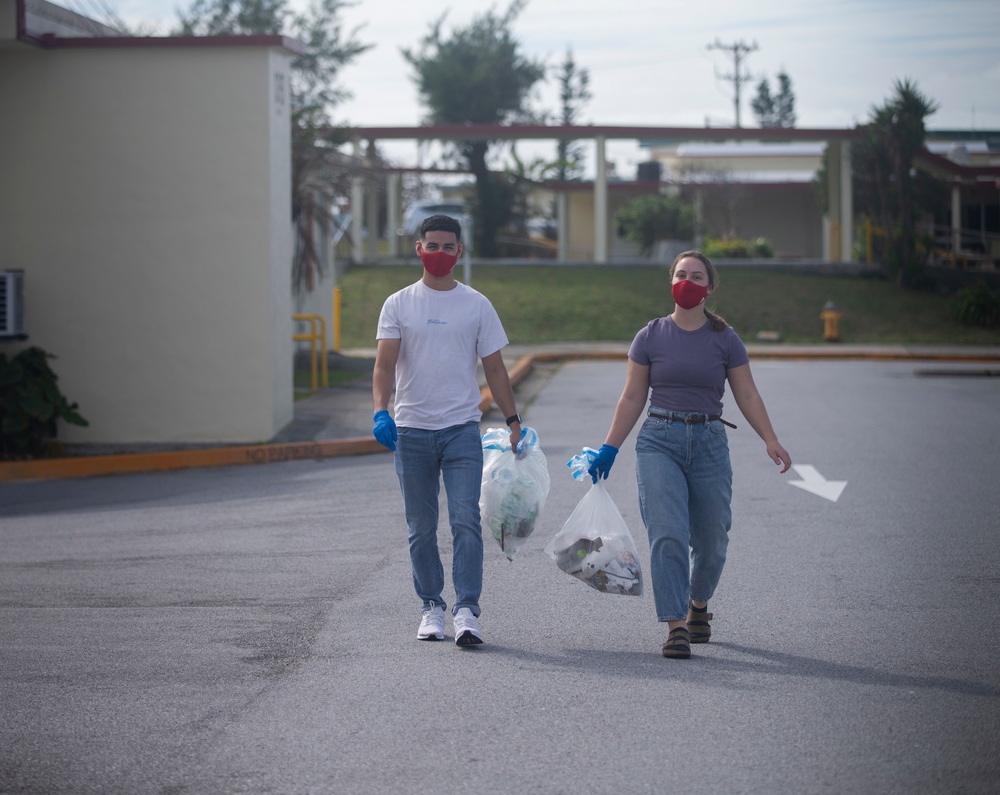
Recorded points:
(467, 628)
(432, 624)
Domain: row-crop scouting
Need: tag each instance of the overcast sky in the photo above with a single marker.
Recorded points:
(649, 62)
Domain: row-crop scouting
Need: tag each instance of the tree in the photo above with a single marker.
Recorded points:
(328, 46)
(318, 170)
(477, 75)
(574, 92)
(777, 110)
(887, 184)
(522, 176)
(784, 102)
(648, 219)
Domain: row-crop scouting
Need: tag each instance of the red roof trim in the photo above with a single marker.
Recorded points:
(654, 187)
(957, 170)
(614, 186)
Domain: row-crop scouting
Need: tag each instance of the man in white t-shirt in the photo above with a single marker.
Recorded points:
(431, 336)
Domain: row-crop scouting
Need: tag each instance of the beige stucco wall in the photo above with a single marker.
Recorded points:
(787, 215)
(145, 193)
(580, 226)
(8, 22)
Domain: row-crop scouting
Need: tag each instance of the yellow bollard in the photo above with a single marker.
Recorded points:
(317, 333)
(831, 322)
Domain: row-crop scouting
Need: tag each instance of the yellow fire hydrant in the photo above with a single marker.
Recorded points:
(831, 322)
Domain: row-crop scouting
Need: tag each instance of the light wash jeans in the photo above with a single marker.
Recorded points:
(685, 492)
(421, 458)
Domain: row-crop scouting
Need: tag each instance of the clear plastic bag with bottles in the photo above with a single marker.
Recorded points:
(514, 487)
(595, 544)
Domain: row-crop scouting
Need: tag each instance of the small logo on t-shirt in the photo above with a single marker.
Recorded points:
(435, 322)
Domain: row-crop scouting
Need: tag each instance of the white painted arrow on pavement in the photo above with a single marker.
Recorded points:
(813, 482)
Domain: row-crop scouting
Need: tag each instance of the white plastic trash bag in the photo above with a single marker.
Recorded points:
(513, 489)
(595, 546)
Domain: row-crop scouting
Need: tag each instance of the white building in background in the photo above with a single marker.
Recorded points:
(749, 189)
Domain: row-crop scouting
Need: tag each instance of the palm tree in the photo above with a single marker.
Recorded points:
(883, 165)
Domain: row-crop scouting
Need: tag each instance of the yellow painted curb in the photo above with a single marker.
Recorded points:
(88, 466)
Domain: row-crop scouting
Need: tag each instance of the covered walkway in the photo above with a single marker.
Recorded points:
(837, 244)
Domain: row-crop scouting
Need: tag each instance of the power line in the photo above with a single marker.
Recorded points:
(739, 50)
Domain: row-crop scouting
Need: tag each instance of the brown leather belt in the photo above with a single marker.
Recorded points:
(696, 419)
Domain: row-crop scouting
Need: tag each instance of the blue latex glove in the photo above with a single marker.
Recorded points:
(385, 429)
(602, 464)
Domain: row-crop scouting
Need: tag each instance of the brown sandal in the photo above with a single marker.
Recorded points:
(697, 621)
(678, 644)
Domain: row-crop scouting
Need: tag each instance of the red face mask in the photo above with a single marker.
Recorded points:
(438, 263)
(687, 294)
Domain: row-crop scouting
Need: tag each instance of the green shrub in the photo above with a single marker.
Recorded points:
(737, 248)
(648, 219)
(30, 405)
(761, 248)
(977, 306)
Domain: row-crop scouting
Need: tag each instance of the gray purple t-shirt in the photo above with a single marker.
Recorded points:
(687, 369)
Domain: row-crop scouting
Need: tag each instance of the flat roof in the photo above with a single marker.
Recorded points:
(647, 136)
(751, 149)
(48, 25)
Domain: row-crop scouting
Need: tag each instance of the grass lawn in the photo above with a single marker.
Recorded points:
(578, 304)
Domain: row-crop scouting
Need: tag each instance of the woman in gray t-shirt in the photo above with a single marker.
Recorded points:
(682, 453)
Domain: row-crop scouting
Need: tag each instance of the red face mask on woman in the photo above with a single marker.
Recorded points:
(687, 294)
(438, 263)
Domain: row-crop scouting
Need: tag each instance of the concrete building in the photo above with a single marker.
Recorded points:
(146, 196)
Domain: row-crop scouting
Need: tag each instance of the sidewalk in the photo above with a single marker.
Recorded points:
(337, 421)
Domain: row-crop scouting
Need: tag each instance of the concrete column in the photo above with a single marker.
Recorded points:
(601, 204)
(357, 210)
(371, 204)
(956, 218)
(394, 197)
(699, 219)
(562, 225)
(846, 204)
(831, 225)
(371, 218)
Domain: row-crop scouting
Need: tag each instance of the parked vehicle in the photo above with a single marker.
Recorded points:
(419, 210)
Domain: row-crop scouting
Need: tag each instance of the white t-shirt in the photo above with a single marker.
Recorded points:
(443, 335)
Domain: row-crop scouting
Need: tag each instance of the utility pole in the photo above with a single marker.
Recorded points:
(739, 51)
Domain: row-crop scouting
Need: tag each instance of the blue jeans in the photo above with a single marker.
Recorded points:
(685, 492)
(421, 458)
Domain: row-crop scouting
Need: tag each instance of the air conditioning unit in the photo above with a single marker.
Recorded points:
(12, 304)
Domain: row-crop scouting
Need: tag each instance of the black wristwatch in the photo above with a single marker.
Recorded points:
(513, 418)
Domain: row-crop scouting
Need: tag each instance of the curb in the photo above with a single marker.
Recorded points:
(130, 463)
(89, 466)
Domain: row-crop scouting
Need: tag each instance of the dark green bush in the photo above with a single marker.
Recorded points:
(977, 306)
(648, 219)
(31, 405)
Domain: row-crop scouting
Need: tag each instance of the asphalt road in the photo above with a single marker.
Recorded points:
(252, 629)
